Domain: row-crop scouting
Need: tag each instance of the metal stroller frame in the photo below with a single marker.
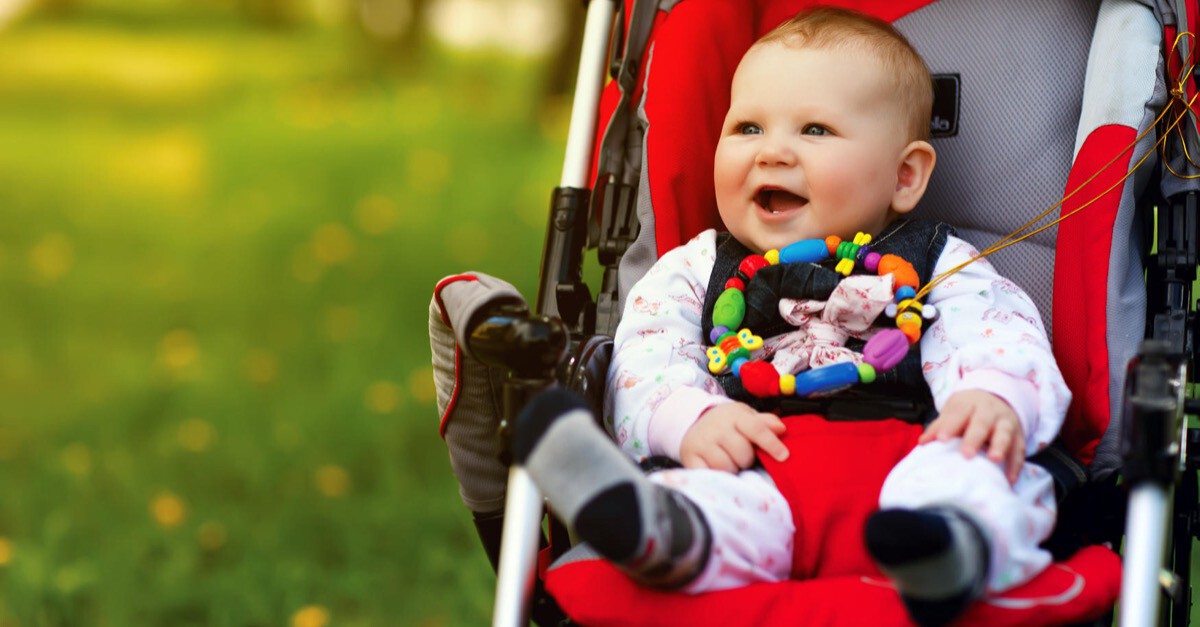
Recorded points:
(567, 338)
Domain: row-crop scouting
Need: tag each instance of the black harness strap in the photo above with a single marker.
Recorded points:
(897, 393)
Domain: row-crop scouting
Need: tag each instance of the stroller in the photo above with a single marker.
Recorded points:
(1035, 102)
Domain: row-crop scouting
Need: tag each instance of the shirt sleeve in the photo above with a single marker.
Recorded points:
(989, 336)
(658, 381)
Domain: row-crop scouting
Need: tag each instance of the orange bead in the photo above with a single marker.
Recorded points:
(889, 263)
(906, 275)
(832, 242)
(911, 331)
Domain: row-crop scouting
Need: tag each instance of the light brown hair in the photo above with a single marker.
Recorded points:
(831, 28)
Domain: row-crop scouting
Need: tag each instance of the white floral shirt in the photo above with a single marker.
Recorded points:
(988, 336)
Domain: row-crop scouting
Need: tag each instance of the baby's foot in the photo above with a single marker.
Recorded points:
(656, 535)
(937, 558)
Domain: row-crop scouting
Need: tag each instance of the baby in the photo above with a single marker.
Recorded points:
(825, 136)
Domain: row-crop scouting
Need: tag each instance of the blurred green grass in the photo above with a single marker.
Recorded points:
(218, 247)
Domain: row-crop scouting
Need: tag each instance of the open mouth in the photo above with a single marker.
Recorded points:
(776, 200)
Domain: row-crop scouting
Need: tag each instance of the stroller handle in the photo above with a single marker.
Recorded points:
(581, 133)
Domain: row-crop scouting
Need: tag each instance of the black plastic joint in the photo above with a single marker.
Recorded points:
(1151, 414)
(566, 204)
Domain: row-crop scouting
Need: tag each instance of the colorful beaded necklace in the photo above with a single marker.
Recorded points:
(884, 350)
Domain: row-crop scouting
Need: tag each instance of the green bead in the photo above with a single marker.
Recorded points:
(739, 352)
(730, 309)
(866, 372)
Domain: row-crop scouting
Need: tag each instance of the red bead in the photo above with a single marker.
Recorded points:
(752, 264)
(735, 283)
(760, 378)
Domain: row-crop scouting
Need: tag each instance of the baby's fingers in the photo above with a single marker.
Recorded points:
(978, 432)
(1002, 439)
(717, 458)
(692, 460)
(739, 449)
(948, 425)
(765, 435)
(1016, 459)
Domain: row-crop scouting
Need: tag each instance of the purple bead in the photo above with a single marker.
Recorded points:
(716, 334)
(871, 261)
(863, 251)
(885, 349)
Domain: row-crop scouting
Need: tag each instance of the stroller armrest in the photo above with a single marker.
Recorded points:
(508, 336)
(585, 370)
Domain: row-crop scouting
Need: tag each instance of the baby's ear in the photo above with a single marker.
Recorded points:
(916, 166)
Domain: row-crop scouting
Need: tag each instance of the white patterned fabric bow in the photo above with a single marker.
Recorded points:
(822, 327)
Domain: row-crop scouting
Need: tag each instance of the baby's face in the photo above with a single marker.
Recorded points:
(811, 147)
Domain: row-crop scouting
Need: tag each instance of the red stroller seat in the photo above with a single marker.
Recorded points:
(1036, 101)
(982, 124)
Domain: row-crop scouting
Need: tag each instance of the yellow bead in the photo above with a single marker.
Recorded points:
(787, 384)
(716, 360)
(909, 317)
(749, 340)
(772, 257)
(862, 238)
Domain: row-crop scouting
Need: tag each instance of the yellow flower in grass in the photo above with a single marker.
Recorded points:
(52, 257)
(428, 170)
(211, 535)
(168, 510)
(77, 458)
(261, 366)
(332, 244)
(178, 349)
(196, 435)
(305, 266)
(420, 385)
(310, 616)
(468, 243)
(6, 551)
(341, 322)
(383, 397)
(377, 214)
(331, 480)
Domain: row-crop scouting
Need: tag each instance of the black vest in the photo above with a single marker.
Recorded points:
(900, 392)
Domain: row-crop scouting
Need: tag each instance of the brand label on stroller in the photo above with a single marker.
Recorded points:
(945, 105)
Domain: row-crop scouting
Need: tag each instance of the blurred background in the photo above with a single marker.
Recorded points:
(220, 225)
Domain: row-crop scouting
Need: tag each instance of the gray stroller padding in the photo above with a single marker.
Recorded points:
(468, 392)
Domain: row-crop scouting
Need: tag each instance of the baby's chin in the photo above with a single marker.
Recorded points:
(777, 243)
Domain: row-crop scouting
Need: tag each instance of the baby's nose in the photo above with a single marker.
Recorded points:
(776, 153)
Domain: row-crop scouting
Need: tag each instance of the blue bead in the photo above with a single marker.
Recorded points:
(826, 379)
(905, 293)
(715, 335)
(737, 366)
(807, 250)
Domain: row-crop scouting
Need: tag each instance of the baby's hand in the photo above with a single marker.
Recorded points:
(981, 418)
(725, 437)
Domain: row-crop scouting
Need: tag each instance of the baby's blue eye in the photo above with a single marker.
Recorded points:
(749, 128)
(814, 130)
